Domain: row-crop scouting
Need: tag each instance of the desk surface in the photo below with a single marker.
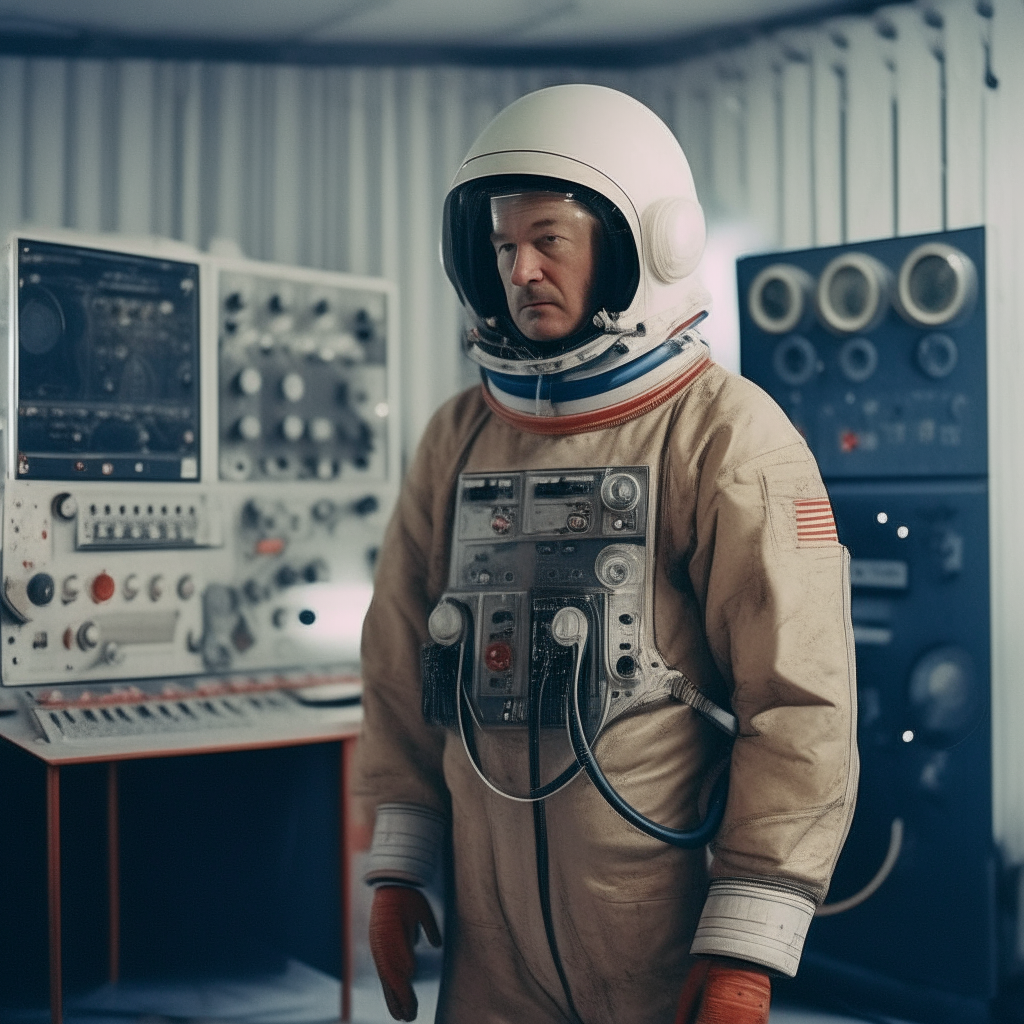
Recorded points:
(298, 726)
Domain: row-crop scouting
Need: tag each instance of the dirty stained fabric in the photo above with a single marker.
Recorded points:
(746, 603)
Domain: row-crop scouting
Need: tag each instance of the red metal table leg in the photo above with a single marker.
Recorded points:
(113, 873)
(345, 857)
(53, 889)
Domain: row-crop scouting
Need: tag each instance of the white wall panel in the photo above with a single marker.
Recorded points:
(796, 165)
(44, 166)
(135, 164)
(965, 102)
(828, 91)
(763, 155)
(12, 151)
(83, 200)
(1004, 216)
(869, 154)
(920, 152)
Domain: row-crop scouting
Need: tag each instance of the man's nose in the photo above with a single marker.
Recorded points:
(527, 266)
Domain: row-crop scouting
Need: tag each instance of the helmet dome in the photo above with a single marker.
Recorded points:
(615, 156)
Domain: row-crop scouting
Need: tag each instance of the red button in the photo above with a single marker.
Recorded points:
(103, 588)
(498, 657)
(849, 441)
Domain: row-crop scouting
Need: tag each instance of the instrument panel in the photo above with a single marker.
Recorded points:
(200, 455)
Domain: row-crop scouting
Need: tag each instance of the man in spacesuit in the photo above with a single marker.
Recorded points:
(572, 233)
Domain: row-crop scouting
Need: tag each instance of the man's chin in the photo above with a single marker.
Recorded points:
(542, 327)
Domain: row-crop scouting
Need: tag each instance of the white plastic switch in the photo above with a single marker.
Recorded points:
(70, 589)
(249, 428)
(186, 587)
(156, 588)
(130, 588)
(292, 428)
(249, 381)
(321, 429)
(293, 387)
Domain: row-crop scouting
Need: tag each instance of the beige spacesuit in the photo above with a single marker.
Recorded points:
(747, 595)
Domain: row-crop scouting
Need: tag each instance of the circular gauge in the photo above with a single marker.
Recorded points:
(853, 293)
(795, 360)
(617, 566)
(937, 284)
(858, 359)
(778, 298)
(937, 355)
(944, 696)
(40, 320)
(620, 492)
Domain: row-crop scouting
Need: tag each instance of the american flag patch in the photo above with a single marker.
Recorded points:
(814, 522)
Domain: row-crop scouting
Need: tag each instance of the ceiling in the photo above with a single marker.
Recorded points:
(325, 26)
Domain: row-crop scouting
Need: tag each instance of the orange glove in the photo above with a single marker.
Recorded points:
(714, 994)
(396, 914)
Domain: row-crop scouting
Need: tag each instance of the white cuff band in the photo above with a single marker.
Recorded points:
(754, 921)
(406, 844)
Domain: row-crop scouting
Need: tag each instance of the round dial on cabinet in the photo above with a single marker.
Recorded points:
(156, 588)
(130, 588)
(853, 293)
(938, 284)
(780, 298)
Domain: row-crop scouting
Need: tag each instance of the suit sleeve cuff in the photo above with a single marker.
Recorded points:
(755, 921)
(406, 845)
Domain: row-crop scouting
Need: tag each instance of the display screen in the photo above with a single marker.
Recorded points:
(107, 365)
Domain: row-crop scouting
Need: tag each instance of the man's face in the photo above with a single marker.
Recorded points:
(546, 247)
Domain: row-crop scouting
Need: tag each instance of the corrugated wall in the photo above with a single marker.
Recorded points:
(858, 128)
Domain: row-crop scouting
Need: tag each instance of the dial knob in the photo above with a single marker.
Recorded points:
(293, 387)
(156, 588)
(323, 509)
(65, 506)
(366, 506)
(620, 492)
(445, 624)
(111, 653)
(292, 428)
(186, 587)
(249, 381)
(103, 587)
(69, 590)
(286, 576)
(88, 635)
(130, 587)
(318, 571)
(234, 302)
(40, 588)
(249, 428)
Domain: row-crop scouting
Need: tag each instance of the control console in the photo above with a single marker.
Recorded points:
(200, 454)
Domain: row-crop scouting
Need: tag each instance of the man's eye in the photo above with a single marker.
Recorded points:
(506, 247)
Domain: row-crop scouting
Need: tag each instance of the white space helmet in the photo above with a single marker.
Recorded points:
(620, 160)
